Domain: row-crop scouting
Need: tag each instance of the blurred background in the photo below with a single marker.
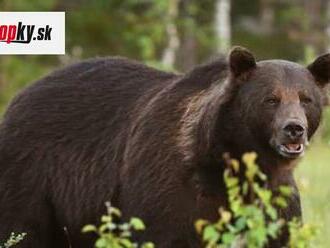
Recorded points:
(178, 34)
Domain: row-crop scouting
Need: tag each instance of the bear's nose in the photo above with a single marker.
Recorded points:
(294, 130)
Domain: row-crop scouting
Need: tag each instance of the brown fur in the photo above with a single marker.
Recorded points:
(150, 142)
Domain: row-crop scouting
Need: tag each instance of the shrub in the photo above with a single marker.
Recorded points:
(113, 234)
(252, 218)
(13, 240)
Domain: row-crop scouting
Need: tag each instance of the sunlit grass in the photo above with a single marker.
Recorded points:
(313, 176)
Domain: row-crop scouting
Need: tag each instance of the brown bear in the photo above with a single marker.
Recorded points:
(151, 142)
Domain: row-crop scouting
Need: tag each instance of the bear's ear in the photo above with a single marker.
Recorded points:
(241, 61)
(320, 69)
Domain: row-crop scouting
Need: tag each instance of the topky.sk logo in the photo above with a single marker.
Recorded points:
(32, 33)
(21, 33)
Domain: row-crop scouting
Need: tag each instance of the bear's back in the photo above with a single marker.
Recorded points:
(84, 105)
(83, 94)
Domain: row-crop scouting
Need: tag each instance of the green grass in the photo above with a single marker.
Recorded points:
(313, 177)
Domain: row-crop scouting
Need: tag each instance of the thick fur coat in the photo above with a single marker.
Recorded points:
(151, 142)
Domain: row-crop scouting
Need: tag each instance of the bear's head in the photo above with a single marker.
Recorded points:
(278, 102)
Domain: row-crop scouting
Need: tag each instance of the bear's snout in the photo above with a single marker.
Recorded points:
(294, 130)
(291, 139)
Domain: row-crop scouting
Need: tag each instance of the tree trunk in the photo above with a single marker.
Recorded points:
(187, 58)
(223, 25)
(170, 51)
(188, 50)
(314, 34)
(327, 27)
(266, 16)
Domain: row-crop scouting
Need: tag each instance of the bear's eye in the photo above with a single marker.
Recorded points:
(305, 100)
(272, 101)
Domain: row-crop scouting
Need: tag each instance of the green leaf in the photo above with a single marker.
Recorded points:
(137, 224)
(265, 195)
(210, 234)
(245, 188)
(106, 218)
(101, 243)
(200, 224)
(273, 229)
(148, 245)
(272, 213)
(228, 238)
(262, 176)
(249, 158)
(124, 227)
(226, 216)
(126, 234)
(231, 181)
(240, 223)
(89, 228)
(234, 192)
(114, 211)
(285, 190)
(235, 165)
(126, 243)
(235, 206)
(280, 201)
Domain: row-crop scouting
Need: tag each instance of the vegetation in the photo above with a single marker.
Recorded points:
(13, 240)
(252, 219)
(113, 234)
(313, 180)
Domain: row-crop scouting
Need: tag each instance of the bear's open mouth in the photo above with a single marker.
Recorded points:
(291, 150)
